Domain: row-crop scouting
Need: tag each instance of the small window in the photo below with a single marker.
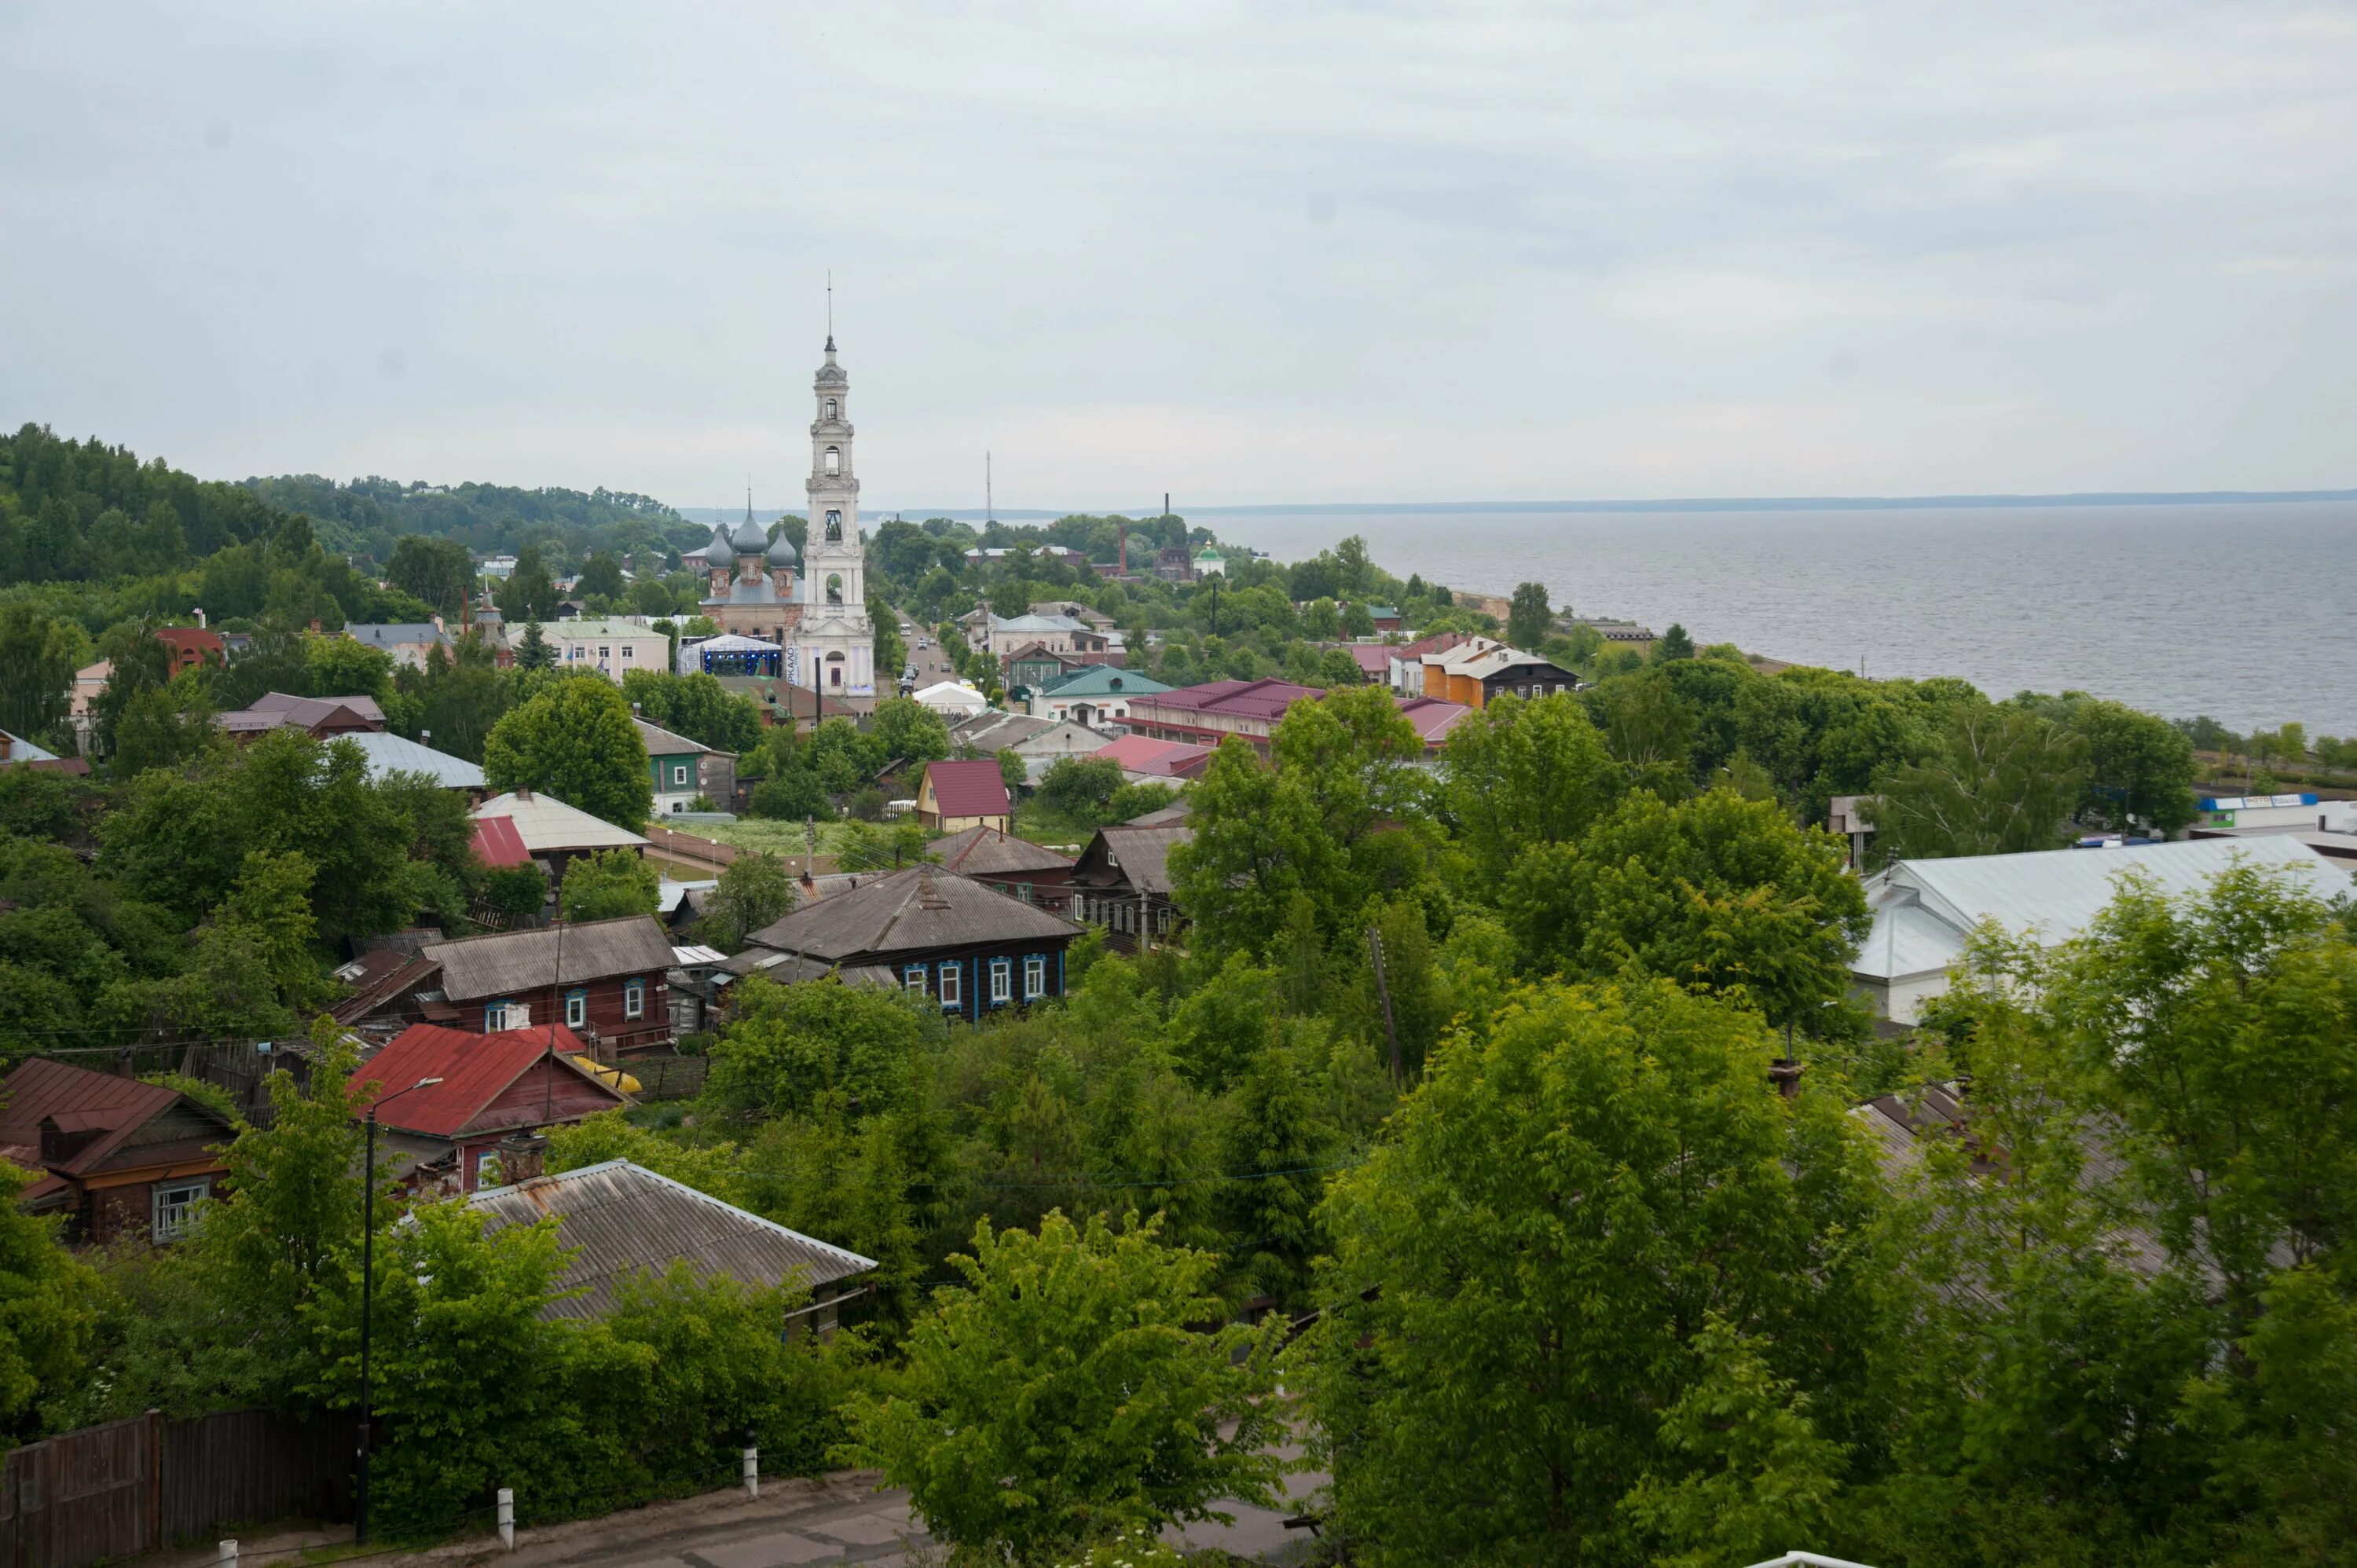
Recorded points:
(679, 773)
(1034, 977)
(831, 408)
(577, 1009)
(1002, 982)
(604, 654)
(834, 459)
(626, 650)
(913, 977)
(950, 989)
(174, 1204)
(634, 999)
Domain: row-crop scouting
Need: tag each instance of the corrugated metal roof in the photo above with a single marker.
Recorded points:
(468, 1071)
(918, 910)
(978, 852)
(660, 742)
(507, 962)
(1925, 910)
(388, 753)
(80, 1101)
(974, 789)
(497, 842)
(547, 823)
(619, 1219)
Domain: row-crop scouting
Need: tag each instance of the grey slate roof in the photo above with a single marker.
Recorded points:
(918, 910)
(792, 969)
(1140, 856)
(620, 1217)
(979, 852)
(505, 962)
(660, 742)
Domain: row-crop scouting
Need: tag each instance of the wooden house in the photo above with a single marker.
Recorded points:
(117, 1157)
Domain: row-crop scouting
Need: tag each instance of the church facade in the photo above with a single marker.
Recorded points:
(814, 605)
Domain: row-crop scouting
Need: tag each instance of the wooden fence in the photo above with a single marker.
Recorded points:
(134, 1486)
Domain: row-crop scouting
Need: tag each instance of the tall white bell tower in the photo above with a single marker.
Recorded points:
(836, 643)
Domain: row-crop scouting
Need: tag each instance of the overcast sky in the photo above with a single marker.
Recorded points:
(1282, 253)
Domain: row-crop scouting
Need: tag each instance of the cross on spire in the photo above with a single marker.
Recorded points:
(830, 310)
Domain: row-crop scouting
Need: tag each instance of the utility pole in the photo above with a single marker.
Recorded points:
(989, 506)
(1383, 991)
(368, 1314)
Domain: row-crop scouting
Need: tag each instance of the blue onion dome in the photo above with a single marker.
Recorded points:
(781, 551)
(718, 554)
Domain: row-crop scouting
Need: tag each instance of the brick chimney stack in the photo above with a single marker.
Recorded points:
(523, 1156)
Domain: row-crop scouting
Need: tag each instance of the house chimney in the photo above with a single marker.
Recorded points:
(523, 791)
(523, 1156)
(200, 618)
(7, 746)
(1784, 1073)
(314, 625)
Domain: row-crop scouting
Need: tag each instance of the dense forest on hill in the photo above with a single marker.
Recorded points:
(367, 516)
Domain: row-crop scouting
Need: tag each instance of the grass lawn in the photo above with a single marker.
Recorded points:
(787, 839)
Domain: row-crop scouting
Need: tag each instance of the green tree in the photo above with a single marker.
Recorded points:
(907, 730)
(2002, 781)
(1013, 771)
(601, 574)
(1321, 621)
(36, 671)
(1519, 1271)
(1519, 775)
(532, 651)
(47, 1319)
(607, 883)
(342, 667)
(1717, 892)
(698, 706)
(438, 571)
(574, 741)
(528, 594)
(790, 1045)
(1529, 617)
(754, 889)
(1061, 1396)
(1674, 645)
(2139, 768)
(161, 726)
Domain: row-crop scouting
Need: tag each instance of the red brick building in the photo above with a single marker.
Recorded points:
(189, 646)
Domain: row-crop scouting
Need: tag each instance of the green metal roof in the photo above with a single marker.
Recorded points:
(1103, 679)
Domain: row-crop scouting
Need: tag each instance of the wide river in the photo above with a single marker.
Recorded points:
(2246, 612)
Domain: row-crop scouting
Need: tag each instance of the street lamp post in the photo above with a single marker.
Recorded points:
(368, 1309)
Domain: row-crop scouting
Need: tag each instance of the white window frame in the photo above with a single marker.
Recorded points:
(577, 1009)
(913, 978)
(1034, 977)
(679, 772)
(1002, 982)
(168, 1221)
(634, 999)
(950, 986)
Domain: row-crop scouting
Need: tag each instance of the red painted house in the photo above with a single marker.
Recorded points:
(605, 979)
(118, 1158)
(445, 1099)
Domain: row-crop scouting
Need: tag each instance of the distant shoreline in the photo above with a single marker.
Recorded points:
(1691, 504)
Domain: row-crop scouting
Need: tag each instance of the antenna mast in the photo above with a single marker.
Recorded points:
(989, 507)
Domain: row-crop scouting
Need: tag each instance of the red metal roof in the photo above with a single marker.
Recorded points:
(1433, 717)
(1374, 660)
(472, 1071)
(974, 789)
(497, 842)
(1143, 754)
(79, 1100)
(1265, 699)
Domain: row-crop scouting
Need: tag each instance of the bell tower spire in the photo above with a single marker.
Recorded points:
(835, 648)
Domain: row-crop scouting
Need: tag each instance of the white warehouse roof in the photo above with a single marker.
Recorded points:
(1925, 910)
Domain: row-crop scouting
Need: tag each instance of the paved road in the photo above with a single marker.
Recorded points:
(835, 1521)
(932, 666)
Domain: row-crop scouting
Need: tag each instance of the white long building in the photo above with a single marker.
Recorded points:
(1925, 910)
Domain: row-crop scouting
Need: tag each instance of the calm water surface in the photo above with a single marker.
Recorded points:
(2246, 612)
